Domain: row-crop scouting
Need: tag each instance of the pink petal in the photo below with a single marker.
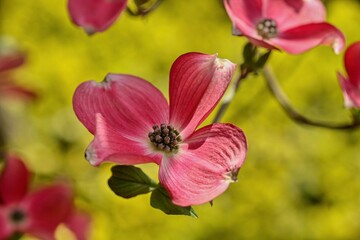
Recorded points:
(351, 93)
(244, 15)
(5, 227)
(11, 61)
(18, 92)
(79, 224)
(303, 38)
(14, 180)
(263, 43)
(352, 63)
(197, 83)
(292, 13)
(110, 144)
(95, 15)
(129, 104)
(204, 169)
(47, 208)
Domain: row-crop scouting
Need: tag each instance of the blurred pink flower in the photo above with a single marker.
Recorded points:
(9, 62)
(351, 85)
(292, 25)
(95, 15)
(133, 123)
(36, 213)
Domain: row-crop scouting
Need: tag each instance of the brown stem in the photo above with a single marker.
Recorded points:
(282, 99)
(227, 100)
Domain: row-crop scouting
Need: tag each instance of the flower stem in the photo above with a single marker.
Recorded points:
(244, 71)
(295, 115)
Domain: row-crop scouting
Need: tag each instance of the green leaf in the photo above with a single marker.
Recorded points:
(160, 199)
(141, 2)
(130, 181)
(355, 114)
(262, 60)
(16, 236)
(142, 7)
(249, 53)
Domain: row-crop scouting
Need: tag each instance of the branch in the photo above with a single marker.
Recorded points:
(282, 99)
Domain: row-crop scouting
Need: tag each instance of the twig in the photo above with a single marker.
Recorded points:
(282, 99)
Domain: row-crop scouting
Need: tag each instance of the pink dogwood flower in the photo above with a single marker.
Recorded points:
(36, 213)
(95, 15)
(133, 123)
(294, 26)
(351, 85)
(9, 62)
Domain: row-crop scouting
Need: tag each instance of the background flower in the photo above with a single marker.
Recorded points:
(95, 15)
(8, 62)
(37, 213)
(351, 85)
(294, 26)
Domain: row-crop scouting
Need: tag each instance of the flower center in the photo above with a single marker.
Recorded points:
(165, 138)
(267, 28)
(17, 216)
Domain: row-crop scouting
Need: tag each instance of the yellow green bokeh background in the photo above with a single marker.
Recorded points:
(298, 182)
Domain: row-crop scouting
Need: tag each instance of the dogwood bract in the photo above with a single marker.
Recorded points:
(132, 123)
(37, 213)
(8, 87)
(95, 15)
(351, 85)
(292, 25)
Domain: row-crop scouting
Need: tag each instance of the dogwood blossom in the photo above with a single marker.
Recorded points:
(8, 87)
(133, 123)
(37, 213)
(294, 26)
